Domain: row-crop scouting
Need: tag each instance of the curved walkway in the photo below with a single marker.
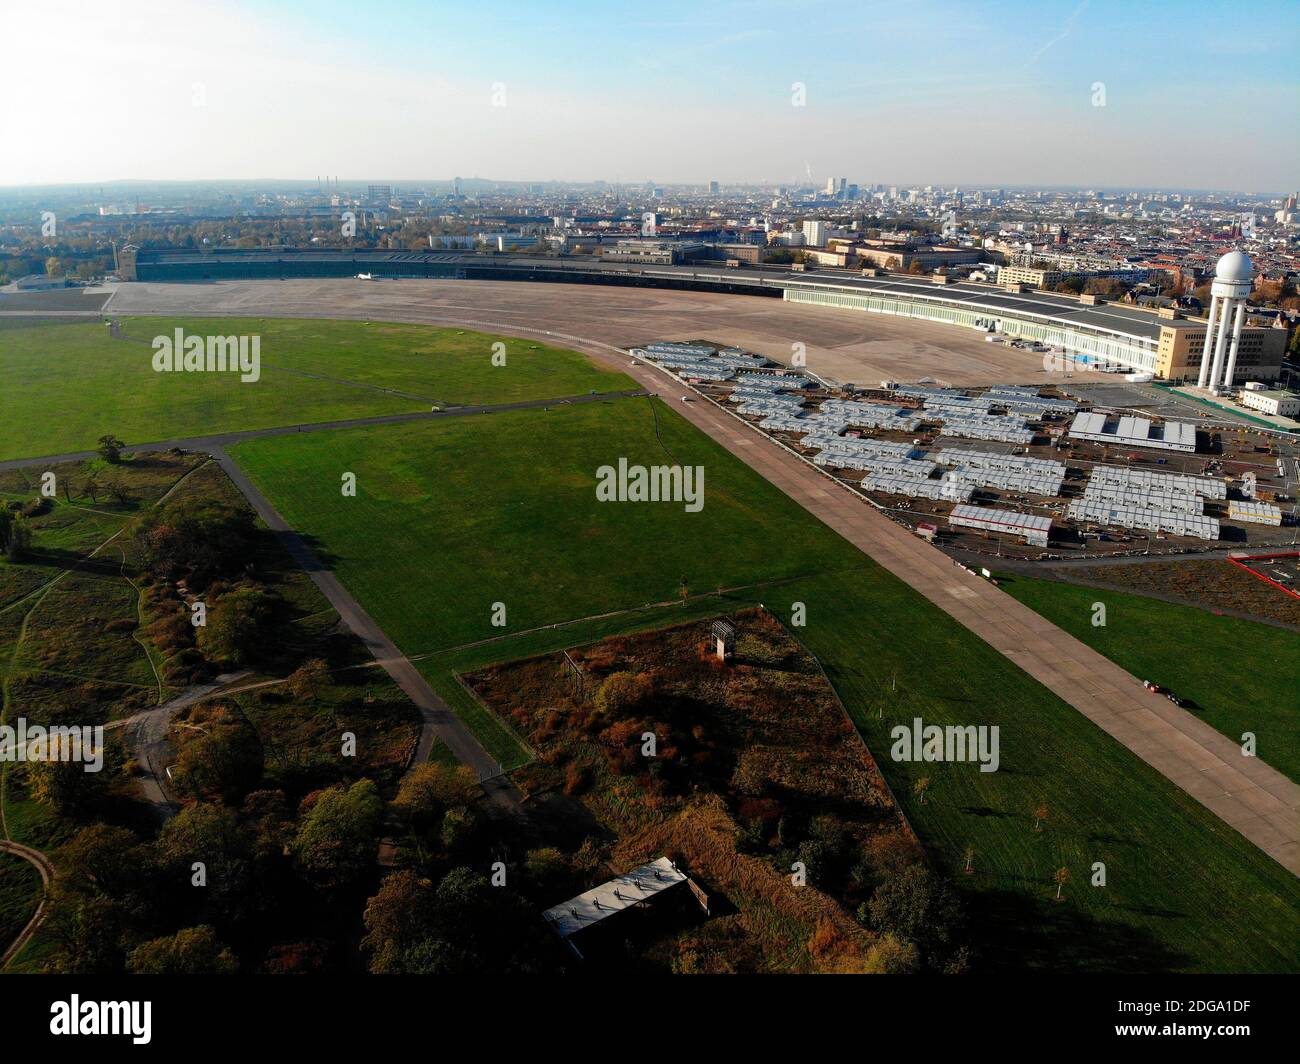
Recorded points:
(46, 871)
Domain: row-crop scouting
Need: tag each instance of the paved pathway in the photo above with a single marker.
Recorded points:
(224, 439)
(438, 721)
(147, 736)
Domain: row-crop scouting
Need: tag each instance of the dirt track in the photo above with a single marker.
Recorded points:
(46, 872)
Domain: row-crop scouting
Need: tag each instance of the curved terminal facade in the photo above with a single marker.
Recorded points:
(1088, 333)
(1165, 346)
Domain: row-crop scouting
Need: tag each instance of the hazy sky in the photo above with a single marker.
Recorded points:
(1196, 94)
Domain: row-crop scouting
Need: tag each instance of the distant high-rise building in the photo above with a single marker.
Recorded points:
(713, 188)
(379, 195)
(814, 232)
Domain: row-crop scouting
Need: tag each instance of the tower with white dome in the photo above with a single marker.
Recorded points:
(1232, 284)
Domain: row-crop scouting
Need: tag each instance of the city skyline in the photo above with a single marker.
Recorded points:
(1075, 95)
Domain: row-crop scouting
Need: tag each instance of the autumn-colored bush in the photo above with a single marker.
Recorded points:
(549, 725)
(623, 760)
(624, 692)
(622, 733)
(599, 662)
(576, 779)
(765, 810)
(171, 632)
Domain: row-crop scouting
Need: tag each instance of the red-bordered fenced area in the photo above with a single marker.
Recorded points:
(1251, 561)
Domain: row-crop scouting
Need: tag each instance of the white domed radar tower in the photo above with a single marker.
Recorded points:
(1232, 284)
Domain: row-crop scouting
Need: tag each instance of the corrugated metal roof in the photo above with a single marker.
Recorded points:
(621, 892)
(1131, 430)
(999, 520)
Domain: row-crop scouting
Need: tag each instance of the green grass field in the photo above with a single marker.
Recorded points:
(450, 518)
(502, 508)
(1238, 676)
(67, 385)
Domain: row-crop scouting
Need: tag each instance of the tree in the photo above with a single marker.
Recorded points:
(219, 752)
(462, 926)
(65, 787)
(890, 956)
(429, 790)
(920, 787)
(237, 626)
(1061, 877)
(19, 541)
(624, 692)
(546, 868)
(335, 845)
(118, 488)
(916, 906)
(102, 860)
(970, 859)
(97, 901)
(1040, 814)
(212, 835)
(110, 449)
(309, 679)
(54, 266)
(400, 914)
(1109, 287)
(191, 951)
(200, 537)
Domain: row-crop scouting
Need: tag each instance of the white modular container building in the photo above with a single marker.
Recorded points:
(873, 415)
(1209, 487)
(783, 423)
(1021, 463)
(1101, 513)
(1254, 513)
(1034, 528)
(903, 467)
(990, 427)
(1128, 430)
(1181, 502)
(943, 489)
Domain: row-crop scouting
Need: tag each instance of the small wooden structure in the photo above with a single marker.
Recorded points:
(724, 635)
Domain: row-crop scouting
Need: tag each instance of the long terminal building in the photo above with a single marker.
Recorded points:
(1166, 346)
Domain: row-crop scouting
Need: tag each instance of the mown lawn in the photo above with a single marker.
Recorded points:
(451, 518)
(67, 385)
(1236, 675)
